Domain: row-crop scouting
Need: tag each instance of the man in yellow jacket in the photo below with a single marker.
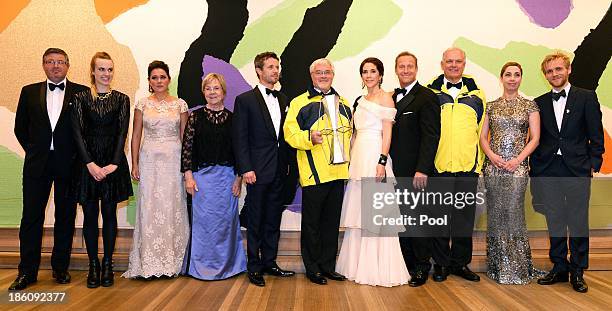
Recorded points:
(319, 125)
(458, 163)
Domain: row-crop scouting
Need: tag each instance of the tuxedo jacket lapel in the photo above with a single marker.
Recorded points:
(548, 109)
(265, 112)
(569, 105)
(405, 101)
(282, 102)
(43, 102)
(67, 96)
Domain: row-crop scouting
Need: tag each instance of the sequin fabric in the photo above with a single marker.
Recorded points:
(508, 253)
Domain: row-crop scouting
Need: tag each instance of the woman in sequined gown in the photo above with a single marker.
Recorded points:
(215, 249)
(100, 119)
(513, 123)
(161, 231)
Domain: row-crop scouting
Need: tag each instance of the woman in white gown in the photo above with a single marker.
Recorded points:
(161, 232)
(372, 258)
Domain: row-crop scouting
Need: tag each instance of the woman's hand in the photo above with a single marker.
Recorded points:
(512, 165)
(135, 172)
(95, 171)
(380, 172)
(110, 168)
(497, 161)
(237, 186)
(190, 183)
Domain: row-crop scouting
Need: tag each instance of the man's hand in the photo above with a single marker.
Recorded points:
(419, 182)
(249, 177)
(316, 137)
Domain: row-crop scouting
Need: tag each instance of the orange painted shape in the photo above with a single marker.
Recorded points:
(10, 10)
(606, 168)
(109, 9)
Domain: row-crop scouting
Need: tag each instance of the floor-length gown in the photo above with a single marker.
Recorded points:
(215, 249)
(161, 232)
(373, 259)
(508, 252)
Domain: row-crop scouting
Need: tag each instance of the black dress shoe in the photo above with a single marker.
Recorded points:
(466, 273)
(578, 283)
(256, 278)
(61, 276)
(440, 273)
(277, 271)
(316, 278)
(21, 282)
(108, 277)
(334, 276)
(93, 276)
(417, 279)
(553, 277)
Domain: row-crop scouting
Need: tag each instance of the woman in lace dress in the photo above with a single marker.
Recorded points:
(100, 118)
(161, 231)
(371, 255)
(513, 123)
(215, 250)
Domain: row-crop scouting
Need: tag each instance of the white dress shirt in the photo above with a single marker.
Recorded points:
(55, 101)
(408, 88)
(453, 91)
(559, 108)
(273, 108)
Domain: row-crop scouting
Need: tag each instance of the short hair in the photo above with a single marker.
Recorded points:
(376, 62)
(92, 65)
(262, 57)
(406, 53)
(214, 76)
(55, 51)
(454, 48)
(555, 55)
(319, 62)
(508, 64)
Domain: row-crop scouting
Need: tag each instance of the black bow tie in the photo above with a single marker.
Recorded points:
(402, 91)
(273, 92)
(53, 86)
(556, 96)
(458, 85)
(330, 92)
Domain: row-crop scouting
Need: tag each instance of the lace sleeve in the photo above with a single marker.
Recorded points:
(183, 107)
(78, 124)
(140, 104)
(187, 149)
(532, 106)
(124, 124)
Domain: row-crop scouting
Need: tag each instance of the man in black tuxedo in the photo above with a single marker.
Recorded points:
(261, 158)
(43, 128)
(570, 151)
(414, 143)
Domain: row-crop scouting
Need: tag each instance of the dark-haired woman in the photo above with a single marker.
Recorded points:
(371, 255)
(161, 232)
(100, 118)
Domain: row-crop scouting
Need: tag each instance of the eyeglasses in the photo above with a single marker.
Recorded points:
(56, 62)
(323, 73)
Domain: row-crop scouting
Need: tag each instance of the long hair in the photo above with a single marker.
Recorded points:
(92, 68)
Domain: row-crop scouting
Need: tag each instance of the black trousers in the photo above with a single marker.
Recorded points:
(416, 248)
(565, 199)
(264, 214)
(321, 208)
(454, 247)
(36, 192)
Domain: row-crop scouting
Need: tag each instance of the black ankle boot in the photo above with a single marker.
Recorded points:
(93, 277)
(107, 272)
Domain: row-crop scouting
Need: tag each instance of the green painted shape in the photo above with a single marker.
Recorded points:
(272, 31)
(367, 21)
(173, 87)
(11, 197)
(604, 90)
(529, 56)
(131, 205)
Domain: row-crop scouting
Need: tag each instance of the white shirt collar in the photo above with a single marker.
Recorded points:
(566, 88)
(410, 86)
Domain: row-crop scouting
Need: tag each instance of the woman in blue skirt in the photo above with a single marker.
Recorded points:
(215, 250)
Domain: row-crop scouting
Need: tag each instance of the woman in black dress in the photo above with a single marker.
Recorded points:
(100, 118)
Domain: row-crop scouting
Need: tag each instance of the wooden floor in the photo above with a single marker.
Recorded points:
(297, 293)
